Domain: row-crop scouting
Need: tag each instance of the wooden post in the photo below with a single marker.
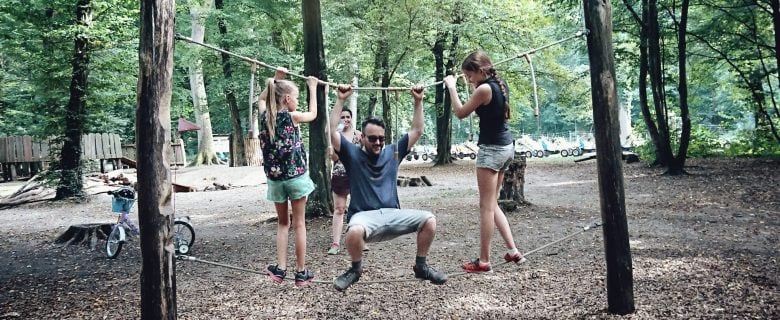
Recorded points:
(153, 134)
(254, 155)
(620, 282)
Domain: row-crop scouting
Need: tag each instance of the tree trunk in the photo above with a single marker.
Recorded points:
(620, 283)
(512, 194)
(353, 101)
(253, 108)
(644, 65)
(320, 200)
(153, 134)
(678, 165)
(237, 154)
(71, 182)
(206, 154)
(656, 70)
(442, 103)
(776, 24)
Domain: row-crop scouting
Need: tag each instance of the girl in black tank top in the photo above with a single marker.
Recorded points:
(490, 100)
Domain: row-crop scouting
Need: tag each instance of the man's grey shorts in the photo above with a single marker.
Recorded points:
(388, 223)
(495, 157)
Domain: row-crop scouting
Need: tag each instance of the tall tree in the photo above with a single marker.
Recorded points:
(620, 281)
(682, 90)
(775, 4)
(199, 10)
(320, 200)
(71, 182)
(238, 154)
(652, 65)
(153, 136)
(446, 60)
(442, 102)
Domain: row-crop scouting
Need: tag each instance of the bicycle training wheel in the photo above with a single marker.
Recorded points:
(183, 236)
(115, 241)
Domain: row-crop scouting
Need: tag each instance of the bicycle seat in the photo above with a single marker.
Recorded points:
(125, 192)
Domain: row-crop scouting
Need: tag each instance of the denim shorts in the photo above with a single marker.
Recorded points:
(494, 157)
(388, 223)
(292, 189)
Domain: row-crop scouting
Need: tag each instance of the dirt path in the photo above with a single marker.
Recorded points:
(703, 246)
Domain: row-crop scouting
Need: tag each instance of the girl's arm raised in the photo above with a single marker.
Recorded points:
(482, 95)
(309, 116)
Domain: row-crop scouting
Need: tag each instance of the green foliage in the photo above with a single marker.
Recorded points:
(704, 143)
(750, 144)
(37, 44)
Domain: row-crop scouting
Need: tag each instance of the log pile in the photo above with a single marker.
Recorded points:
(116, 178)
(422, 181)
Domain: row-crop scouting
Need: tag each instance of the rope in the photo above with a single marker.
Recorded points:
(253, 61)
(584, 229)
(454, 274)
(191, 258)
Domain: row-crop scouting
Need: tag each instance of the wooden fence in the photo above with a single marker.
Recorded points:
(27, 155)
(176, 155)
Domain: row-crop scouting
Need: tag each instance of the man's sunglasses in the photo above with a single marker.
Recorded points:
(373, 139)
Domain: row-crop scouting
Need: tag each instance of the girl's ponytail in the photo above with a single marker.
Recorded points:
(270, 110)
(502, 85)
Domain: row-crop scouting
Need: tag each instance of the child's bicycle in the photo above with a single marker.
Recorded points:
(122, 201)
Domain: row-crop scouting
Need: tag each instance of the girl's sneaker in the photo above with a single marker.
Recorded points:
(334, 249)
(276, 274)
(516, 258)
(476, 266)
(303, 278)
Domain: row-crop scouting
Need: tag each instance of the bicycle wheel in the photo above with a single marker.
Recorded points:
(183, 236)
(115, 241)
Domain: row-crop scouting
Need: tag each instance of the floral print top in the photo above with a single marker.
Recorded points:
(285, 157)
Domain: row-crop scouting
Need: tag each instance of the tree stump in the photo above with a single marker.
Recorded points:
(85, 234)
(512, 195)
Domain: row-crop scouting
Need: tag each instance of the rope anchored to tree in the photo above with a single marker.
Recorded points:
(454, 274)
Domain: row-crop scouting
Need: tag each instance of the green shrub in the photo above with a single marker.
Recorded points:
(750, 144)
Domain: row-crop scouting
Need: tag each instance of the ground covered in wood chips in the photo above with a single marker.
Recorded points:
(704, 246)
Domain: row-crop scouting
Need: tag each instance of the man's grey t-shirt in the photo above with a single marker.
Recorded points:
(372, 180)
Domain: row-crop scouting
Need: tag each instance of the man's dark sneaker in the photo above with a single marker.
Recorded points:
(347, 279)
(426, 272)
(303, 278)
(275, 273)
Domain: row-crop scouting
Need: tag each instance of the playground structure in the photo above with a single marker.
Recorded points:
(25, 156)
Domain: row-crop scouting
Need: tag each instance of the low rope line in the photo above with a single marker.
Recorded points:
(191, 258)
(454, 274)
(584, 229)
(332, 84)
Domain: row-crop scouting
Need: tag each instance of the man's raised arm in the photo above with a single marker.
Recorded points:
(418, 92)
(342, 93)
